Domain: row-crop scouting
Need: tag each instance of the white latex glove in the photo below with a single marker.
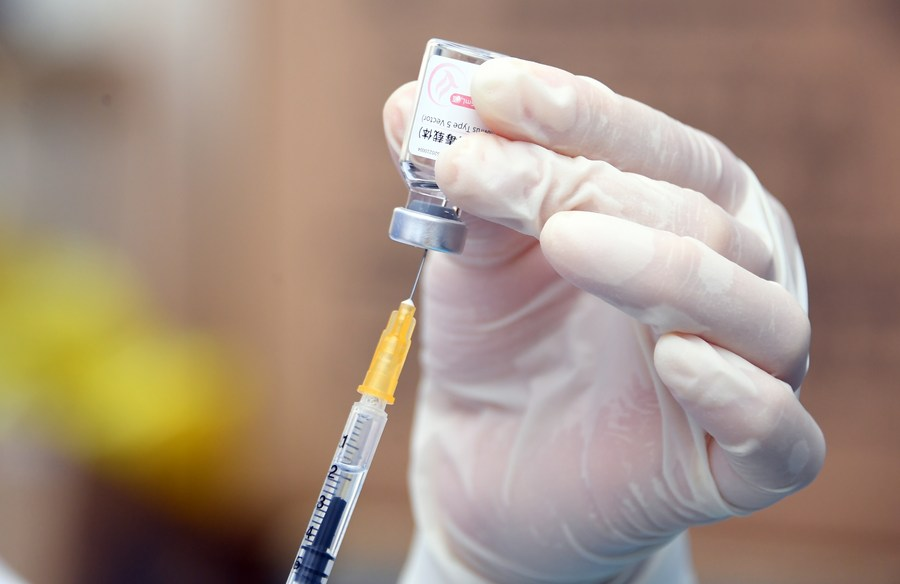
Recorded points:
(615, 356)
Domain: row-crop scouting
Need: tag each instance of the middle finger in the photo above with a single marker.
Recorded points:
(520, 185)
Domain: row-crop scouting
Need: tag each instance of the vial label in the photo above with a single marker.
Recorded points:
(445, 110)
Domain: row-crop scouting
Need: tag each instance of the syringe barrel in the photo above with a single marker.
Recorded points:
(339, 493)
(361, 433)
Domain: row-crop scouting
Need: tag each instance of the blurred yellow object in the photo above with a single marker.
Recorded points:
(159, 407)
(58, 303)
(83, 358)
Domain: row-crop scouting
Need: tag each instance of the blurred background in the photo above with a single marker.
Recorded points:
(194, 268)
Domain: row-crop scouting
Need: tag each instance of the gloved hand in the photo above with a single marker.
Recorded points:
(615, 356)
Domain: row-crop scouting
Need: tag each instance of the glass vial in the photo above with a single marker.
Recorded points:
(443, 112)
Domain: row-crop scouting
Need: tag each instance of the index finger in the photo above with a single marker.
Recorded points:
(579, 116)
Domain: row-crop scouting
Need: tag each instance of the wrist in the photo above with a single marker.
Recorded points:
(670, 564)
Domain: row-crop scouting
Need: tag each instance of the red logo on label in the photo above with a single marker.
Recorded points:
(444, 84)
(462, 100)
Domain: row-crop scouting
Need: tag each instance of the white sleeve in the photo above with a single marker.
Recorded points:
(7, 577)
(670, 565)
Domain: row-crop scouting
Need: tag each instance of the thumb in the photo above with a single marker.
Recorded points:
(396, 116)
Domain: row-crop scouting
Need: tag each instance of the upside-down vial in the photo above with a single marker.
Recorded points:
(443, 112)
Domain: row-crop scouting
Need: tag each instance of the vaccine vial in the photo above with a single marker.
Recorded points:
(443, 113)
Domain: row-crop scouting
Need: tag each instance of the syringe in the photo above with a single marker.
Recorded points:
(355, 449)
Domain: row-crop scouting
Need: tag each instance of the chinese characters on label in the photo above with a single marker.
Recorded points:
(437, 136)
